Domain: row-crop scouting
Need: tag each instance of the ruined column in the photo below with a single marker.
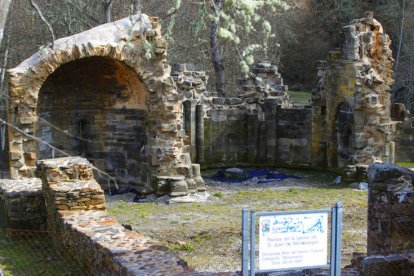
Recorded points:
(271, 127)
(189, 107)
(253, 133)
(199, 114)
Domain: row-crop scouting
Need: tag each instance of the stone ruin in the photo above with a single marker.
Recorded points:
(352, 123)
(390, 222)
(68, 200)
(105, 95)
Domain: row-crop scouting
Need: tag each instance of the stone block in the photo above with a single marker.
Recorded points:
(178, 186)
(219, 101)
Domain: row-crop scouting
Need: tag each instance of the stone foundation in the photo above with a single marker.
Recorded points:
(22, 205)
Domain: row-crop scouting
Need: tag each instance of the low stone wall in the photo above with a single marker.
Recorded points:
(75, 205)
(395, 264)
(390, 209)
(390, 221)
(274, 135)
(22, 205)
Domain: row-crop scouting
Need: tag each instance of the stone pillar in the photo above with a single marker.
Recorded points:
(270, 110)
(189, 107)
(253, 133)
(390, 209)
(199, 133)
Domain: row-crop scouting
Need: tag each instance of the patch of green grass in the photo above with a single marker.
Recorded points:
(293, 190)
(300, 97)
(32, 253)
(405, 164)
(181, 246)
(204, 236)
(219, 194)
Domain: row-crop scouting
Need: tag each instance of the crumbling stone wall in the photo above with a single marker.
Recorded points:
(191, 83)
(390, 221)
(101, 116)
(123, 43)
(75, 205)
(352, 123)
(22, 204)
(257, 126)
(390, 209)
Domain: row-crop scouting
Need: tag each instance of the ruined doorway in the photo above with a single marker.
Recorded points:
(95, 107)
(343, 134)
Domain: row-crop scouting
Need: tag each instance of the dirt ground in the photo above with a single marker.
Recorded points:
(208, 234)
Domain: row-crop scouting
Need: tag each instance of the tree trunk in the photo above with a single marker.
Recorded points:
(397, 60)
(136, 6)
(107, 6)
(216, 55)
(4, 67)
(4, 9)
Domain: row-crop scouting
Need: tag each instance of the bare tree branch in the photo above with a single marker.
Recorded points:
(87, 15)
(39, 12)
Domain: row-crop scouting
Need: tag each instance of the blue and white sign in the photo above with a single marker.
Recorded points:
(293, 240)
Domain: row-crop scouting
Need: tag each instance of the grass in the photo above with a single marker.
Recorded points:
(32, 253)
(405, 164)
(300, 97)
(212, 229)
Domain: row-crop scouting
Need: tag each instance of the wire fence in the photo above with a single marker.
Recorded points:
(25, 252)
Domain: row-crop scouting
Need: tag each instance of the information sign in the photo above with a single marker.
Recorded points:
(293, 240)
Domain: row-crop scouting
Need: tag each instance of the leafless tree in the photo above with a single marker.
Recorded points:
(107, 6)
(401, 33)
(39, 12)
(136, 6)
(4, 10)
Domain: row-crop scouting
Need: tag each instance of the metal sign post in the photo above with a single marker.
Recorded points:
(292, 240)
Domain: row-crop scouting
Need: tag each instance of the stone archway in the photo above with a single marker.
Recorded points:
(96, 107)
(123, 42)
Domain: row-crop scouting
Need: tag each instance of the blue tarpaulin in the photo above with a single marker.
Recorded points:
(264, 175)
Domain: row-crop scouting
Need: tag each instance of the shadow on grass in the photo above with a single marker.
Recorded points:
(33, 253)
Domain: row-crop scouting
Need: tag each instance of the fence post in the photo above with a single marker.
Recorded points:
(338, 241)
(252, 242)
(245, 242)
